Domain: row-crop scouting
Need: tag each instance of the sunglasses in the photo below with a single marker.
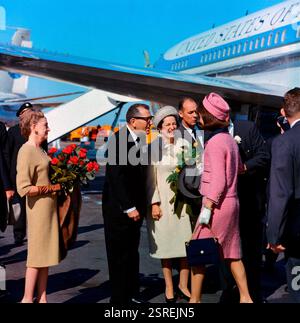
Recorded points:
(147, 119)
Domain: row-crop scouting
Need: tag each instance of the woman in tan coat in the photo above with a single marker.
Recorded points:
(33, 182)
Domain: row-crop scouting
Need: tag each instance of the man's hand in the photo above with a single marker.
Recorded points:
(134, 215)
(156, 212)
(276, 248)
(9, 194)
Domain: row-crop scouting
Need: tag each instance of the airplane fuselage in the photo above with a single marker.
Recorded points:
(263, 47)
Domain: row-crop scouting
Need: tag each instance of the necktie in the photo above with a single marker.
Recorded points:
(137, 144)
(137, 141)
(194, 135)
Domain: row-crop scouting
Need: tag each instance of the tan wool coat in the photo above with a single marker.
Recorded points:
(42, 219)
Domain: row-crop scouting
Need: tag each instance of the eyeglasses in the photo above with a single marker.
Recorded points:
(147, 119)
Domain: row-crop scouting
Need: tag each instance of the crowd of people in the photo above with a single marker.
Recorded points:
(247, 188)
(236, 198)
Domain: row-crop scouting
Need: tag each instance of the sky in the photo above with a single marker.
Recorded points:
(117, 30)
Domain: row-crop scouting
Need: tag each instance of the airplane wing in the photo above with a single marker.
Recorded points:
(148, 84)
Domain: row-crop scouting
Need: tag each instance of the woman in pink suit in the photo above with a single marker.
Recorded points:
(220, 206)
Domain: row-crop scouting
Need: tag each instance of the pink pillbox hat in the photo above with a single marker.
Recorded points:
(217, 106)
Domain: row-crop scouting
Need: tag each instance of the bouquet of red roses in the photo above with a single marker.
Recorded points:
(71, 166)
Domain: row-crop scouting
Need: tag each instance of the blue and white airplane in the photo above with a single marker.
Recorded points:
(252, 60)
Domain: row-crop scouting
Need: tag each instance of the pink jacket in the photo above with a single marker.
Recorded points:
(222, 163)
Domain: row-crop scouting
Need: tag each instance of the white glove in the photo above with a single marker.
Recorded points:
(204, 216)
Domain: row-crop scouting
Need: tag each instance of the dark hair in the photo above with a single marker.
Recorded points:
(159, 126)
(134, 111)
(210, 121)
(182, 100)
(291, 102)
(28, 119)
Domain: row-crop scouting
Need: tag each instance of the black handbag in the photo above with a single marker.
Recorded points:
(203, 251)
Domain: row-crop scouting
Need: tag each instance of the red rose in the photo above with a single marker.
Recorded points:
(68, 150)
(90, 166)
(73, 146)
(61, 157)
(96, 167)
(54, 161)
(73, 160)
(52, 151)
(82, 154)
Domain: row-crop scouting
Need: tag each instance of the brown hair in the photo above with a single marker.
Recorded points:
(29, 118)
(291, 102)
(210, 121)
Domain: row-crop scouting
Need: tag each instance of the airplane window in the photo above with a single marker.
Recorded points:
(276, 38)
(205, 58)
(201, 59)
(239, 48)
(210, 56)
(219, 53)
(215, 55)
(256, 43)
(245, 46)
(251, 45)
(262, 42)
(283, 35)
(233, 49)
(224, 52)
(298, 32)
(229, 51)
(270, 39)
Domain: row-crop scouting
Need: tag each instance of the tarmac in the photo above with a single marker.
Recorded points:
(83, 276)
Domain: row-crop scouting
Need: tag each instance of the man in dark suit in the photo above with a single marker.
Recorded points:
(252, 198)
(6, 191)
(124, 204)
(14, 142)
(283, 230)
(188, 128)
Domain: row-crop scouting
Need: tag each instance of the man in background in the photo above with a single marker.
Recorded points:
(188, 128)
(6, 189)
(283, 229)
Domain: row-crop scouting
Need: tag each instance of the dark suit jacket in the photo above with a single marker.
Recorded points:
(14, 142)
(125, 184)
(4, 178)
(252, 147)
(252, 184)
(284, 200)
(185, 134)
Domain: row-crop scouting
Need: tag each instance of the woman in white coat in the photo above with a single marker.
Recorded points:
(168, 229)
